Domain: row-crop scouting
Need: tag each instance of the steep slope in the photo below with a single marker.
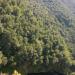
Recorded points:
(65, 17)
(30, 40)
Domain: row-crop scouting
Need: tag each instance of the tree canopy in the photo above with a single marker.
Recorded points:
(30, 40)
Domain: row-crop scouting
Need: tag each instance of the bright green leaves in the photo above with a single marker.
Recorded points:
(1, 55)
(3, 59)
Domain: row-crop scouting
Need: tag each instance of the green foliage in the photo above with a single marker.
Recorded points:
(3, 59)
(65, 19)
(30, 39)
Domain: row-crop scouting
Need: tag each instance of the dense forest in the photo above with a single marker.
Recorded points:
(37, 36)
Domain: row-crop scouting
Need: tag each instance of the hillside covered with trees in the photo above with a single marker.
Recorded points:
(36, 36)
